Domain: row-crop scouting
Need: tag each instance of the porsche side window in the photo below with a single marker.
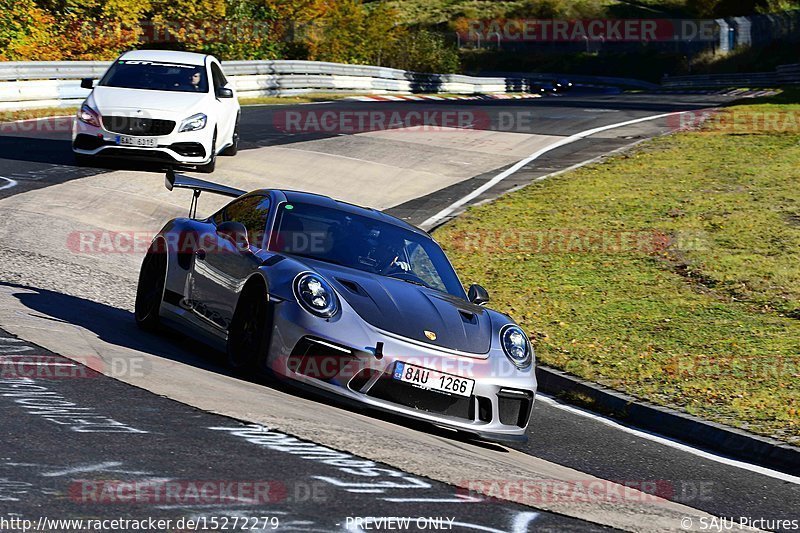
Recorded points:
(421, 265)
(252, 211)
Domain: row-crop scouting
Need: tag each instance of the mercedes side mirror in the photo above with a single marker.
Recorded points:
(224, 92)
(236, 233)
(478, 295)
(87, 83)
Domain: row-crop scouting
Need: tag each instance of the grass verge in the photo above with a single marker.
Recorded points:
(299, 99)
(671, 272)
(26, 114)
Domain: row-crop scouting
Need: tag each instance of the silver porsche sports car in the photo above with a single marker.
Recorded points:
(341, 298)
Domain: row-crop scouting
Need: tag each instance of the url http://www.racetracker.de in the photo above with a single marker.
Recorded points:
(203, 523)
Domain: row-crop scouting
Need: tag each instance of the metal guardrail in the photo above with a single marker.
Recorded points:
(788, 74)
(783, 75)
(56, 84)
(51, 70)
(579, 78)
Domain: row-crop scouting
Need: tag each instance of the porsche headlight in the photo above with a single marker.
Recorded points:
(316, 295)
(89, 116)
(516, 345)
(194, 123)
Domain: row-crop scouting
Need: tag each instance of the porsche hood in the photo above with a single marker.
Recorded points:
(411, 311)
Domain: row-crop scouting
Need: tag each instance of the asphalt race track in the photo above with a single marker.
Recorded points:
(151, 422)
(154, 442)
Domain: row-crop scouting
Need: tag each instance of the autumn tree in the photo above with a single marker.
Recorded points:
(95, 29)
(27, 32)
(349, 33)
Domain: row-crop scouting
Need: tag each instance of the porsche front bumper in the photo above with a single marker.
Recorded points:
(339, 357)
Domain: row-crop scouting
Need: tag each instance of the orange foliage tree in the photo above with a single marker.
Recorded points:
(28, 33)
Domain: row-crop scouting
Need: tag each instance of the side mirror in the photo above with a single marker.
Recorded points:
(477, 295)
(224, 92)
(236, 233)
(87, 83)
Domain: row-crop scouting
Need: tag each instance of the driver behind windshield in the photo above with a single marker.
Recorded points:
(375, 249)
(194, 81)
(390, 252)
(358, 242)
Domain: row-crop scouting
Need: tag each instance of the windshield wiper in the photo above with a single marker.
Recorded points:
(411, 281)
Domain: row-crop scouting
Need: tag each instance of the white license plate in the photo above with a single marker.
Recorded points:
(426, 378)
(149, 142)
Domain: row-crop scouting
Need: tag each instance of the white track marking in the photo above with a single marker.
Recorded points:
(15, 349)
(8, 183)
(521, 522)
(669, 442)
(459, 498)
(435, 219)
(110, 466)
(572, 167)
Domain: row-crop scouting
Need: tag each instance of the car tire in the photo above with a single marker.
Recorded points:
(233, 149)
(150, 291)
(208, 168)
(250, 332)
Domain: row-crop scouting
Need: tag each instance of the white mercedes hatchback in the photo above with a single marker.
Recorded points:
(163, 106)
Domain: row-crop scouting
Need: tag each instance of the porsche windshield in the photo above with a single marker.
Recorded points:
(156, 76)
(363, 243)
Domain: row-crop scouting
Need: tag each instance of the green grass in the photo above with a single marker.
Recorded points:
(25, 114)
(300, 99)
(706, 321)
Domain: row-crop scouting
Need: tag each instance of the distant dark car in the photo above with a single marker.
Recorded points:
(544, 87)
(562, 85)
(345, 299)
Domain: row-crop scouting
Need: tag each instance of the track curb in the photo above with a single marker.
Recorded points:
(724, 440)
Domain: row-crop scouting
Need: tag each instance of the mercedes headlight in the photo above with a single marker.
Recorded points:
(516, 345)
(89, 116)
(194, 123)
(316, 295)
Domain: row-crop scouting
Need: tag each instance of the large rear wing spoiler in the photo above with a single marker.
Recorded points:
(181, 181)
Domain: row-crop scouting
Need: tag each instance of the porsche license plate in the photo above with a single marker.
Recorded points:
(124, 140)
(426, 378)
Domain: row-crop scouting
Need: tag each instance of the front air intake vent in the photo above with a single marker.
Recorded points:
(352, 286)
(138, 126)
